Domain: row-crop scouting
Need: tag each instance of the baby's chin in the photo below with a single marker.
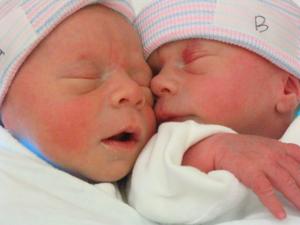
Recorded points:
(112, 174)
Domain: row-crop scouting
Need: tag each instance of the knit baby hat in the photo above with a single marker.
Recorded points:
(24, 23)
(270, 28)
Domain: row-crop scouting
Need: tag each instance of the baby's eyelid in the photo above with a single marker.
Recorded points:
(195, 57)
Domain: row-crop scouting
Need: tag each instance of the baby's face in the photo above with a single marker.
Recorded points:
(83, 96)
(213, 82)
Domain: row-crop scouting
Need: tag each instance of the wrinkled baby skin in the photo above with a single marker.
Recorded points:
(82, 97)
(217, 83)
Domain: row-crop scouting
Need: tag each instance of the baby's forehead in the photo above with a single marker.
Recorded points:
(24, 24)
(91, 36)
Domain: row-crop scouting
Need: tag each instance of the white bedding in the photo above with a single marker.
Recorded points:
(34, 193)
(164, 191)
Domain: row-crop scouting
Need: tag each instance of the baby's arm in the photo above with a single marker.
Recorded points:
(163, 190)
(260, 163)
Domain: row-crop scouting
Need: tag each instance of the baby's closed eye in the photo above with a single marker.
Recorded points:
(200, 65)
(80, 85)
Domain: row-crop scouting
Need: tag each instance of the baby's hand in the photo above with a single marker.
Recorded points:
(262, 164)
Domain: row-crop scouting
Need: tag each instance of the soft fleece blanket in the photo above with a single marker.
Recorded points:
(32, 192)
(164, 191)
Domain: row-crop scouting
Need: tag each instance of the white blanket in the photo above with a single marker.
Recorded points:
(34, 193)
(164, 191)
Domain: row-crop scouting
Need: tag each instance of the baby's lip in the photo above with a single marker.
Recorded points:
(169, 114)
(124, 139)
(178, 118)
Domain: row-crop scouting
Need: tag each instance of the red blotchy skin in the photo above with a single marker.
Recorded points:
(94, 85)
(217, 83)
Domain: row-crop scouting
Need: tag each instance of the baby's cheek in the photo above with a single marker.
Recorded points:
(70, 127)
(215, 104)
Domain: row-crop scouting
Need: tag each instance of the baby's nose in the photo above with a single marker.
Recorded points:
(129, 94)
(163, 85)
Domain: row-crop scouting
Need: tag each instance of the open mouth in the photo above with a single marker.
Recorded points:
(123, 137)
(123, 140)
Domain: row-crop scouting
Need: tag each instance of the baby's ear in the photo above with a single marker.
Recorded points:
(290, 96)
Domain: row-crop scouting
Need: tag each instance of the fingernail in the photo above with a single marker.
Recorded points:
(281, 215)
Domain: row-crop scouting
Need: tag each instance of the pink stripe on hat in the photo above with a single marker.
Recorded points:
(270, 28)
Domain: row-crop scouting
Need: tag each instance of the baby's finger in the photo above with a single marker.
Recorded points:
(292, 167)
(286, 184)
(264, 190)
(293, 151)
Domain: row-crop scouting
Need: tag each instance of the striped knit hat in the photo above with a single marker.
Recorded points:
(24, 23)
(270, 28)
